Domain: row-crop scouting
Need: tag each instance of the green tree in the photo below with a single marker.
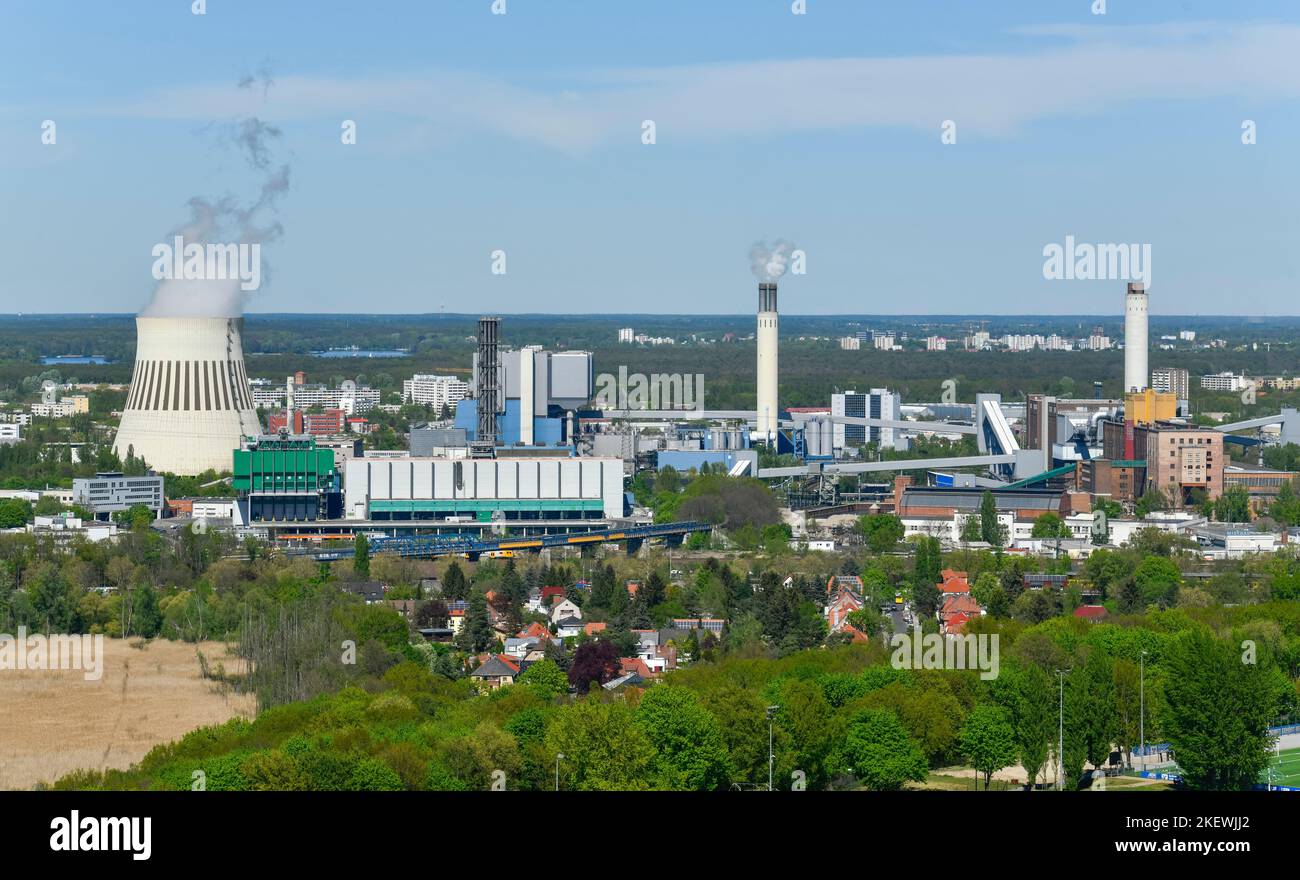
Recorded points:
(1034, 718)
(988, 741)
(992, 532)
(545, 679)
(454, 585)
(604, 747)
(361, 555)
(1233, 505)
(987, 590)
(14, 513)
(1217, 710)
(1158, 579)
(692, 754)
(882, 531)
(880, 753)
(476, 632)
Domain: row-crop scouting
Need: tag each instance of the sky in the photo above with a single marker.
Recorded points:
(480, 135)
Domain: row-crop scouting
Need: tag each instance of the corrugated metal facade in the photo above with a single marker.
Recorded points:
(435, 487)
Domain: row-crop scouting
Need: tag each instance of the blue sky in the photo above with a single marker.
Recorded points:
(478, 132)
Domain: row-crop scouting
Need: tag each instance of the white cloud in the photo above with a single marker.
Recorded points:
(1076, 70)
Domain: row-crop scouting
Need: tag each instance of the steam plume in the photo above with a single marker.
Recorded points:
(769, 262)
(229, 220)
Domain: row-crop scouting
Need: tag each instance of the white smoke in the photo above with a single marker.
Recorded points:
(769, 262)
(228, 220)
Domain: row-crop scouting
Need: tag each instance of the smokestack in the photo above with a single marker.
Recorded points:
(767, 361)
(487, 390)
(190, 403)
(1136, 375)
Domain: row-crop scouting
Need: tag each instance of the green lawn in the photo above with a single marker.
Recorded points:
(1286, 768)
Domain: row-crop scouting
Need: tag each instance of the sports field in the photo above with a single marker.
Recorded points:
(1286, 768)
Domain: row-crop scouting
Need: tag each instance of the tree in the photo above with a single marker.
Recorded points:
(433, 614)
(1034, 718)
(476, 632)
(1286, 507)
(1127, 706)
(970, 529)
(1101, 721)
(1217, 710)
(992, 532)
(593, 661)
(1233, 505)
(692, 755)
(988, 741)
(604, 747)
(1158, 579)
(454, 585)
(545, 679)
(987, 590)
(1152, 499)
(14, 513)
(880, 752)
(881, 531)
(361, 556)
(925, 578)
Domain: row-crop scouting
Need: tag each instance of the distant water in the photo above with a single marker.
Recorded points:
(73, 359)
(362, 353)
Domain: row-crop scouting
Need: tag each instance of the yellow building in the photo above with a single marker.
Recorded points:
(1148, 407)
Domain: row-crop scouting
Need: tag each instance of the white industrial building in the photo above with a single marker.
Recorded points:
(487, 489)
(879, 403)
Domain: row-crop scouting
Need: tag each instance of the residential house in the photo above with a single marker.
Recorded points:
(592, 628)
(1091, 613)
(714, 625)
(565, 608)
(370, 591)
(956, 610)
(568, 627)
(497, 671)
(842, 603)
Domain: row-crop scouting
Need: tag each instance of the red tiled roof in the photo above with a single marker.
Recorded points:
(1090, 612)
(535, 629)
(509, 661)
(547, 592)
(960, 603)
(634, 664)
(593, 628)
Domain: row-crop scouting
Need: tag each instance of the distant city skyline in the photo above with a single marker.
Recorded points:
(484, 140)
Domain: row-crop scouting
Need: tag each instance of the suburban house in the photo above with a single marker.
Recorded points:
(842, 603)
(497, 671)
(370, 591)
(1091, 613)
(568, 627)
(565, 608)
(957, 609)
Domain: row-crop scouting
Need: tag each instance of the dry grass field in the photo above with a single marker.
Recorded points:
(56, 721)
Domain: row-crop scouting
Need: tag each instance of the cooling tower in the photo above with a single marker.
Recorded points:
(190, 401)
(767, 368)
(1136, 375)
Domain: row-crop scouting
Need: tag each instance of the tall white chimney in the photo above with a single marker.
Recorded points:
(1136, 375)
(767, 368)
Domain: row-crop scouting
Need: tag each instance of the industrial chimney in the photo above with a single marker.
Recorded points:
(767, 355)
(1136, 375)
(487, 392)
(190, 404)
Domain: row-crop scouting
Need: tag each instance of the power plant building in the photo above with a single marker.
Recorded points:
(538, 388)
(879, 403)
(190, 403)
(507, 489)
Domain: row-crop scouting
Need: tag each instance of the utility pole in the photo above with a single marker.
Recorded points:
(558, 758)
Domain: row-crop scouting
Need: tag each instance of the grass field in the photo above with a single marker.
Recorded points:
(1286, 768)
(56, 722)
